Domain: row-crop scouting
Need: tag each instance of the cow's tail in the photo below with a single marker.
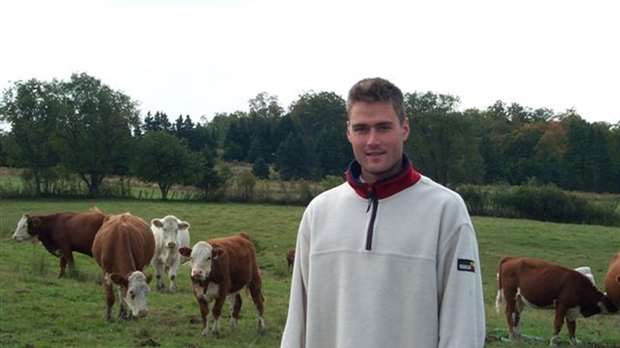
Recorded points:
(499, 298)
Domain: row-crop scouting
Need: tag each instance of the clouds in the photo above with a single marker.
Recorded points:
(202, 57)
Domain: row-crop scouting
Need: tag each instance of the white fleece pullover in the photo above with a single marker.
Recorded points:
(419, 285)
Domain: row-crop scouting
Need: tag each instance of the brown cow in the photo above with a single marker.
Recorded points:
(223, 267)
(540, 284)
(123, 247)
(290, 258)
(612, 279)
(62, 233)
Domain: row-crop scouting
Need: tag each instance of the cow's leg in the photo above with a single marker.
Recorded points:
(258, 299)
(204, 314)
(63, 265)
(560, 314)
(512, 315)
(172, 273)
(123, 311)
(109, 299)
(572, 325)
(159, 271)
(235, 304)
(217, 312)
(66, 259)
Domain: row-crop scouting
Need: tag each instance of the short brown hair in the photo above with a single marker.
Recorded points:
(376, 89)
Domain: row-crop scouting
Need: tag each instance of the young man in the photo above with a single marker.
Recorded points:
(389, 258)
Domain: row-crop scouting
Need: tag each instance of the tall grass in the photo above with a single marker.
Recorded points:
(37, 309)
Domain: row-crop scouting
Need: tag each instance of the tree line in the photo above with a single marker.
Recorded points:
(83, 127)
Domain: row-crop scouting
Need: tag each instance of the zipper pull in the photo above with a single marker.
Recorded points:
(370, 198)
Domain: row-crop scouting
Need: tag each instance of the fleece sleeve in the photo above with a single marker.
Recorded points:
(461, 311)
(294, 335)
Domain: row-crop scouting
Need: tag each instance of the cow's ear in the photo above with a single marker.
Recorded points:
(185, 251)
(183, 225)
(157, 222)
(36, 222)
(217, 253)
(119, 279)
(618, 279)
(148, 278)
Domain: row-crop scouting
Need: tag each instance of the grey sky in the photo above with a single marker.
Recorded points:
(202, 57)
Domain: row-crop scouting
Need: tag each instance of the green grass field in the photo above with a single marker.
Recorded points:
(37, 309)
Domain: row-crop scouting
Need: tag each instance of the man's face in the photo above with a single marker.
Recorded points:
(377, 139)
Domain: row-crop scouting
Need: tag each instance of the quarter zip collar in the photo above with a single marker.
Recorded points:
(380, 189)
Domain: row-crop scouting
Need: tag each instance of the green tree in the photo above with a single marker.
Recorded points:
(321, 119)
(518, 151)
(165, 160)
(549, 152)
(442, 142)
(156, 123)
(31, 108)
(295, 159)
(94, 129)
(218, 126)
(577, 162)
(208, 179)
(260, 169)
(265, 105)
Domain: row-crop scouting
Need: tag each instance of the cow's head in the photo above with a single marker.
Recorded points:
(201, 258)
(26, 228)
(134, 288)
(170, 226)
(604, 305)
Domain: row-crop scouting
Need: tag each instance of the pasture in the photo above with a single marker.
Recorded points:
(37, 309)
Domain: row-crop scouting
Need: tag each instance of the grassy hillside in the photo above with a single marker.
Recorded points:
(37, 309)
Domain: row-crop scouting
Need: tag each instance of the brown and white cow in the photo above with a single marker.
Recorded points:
(542, 285)
(123, 247)
(290, 258)
(612, 279)
(170, 234)
(62, 233)
(223, 267)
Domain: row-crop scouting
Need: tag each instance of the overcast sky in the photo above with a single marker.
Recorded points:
(201, 57)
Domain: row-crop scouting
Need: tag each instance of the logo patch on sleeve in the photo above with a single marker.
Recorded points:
(466, 265)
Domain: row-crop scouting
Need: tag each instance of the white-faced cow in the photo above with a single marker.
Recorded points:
(170, 235)
(612, 279)
(223, 267)
(542, 285)
(62, 233)
(123, 247)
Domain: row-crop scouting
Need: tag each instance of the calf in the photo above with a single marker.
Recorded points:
(612, 279)
(290, 258)
(223, 267)
(62, 233)
(122, 248)
(539, 284)
(170, 234)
